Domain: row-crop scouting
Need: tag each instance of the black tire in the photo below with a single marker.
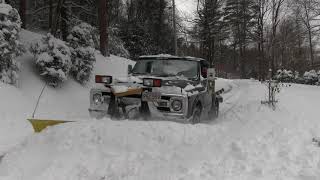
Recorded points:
(196, 115)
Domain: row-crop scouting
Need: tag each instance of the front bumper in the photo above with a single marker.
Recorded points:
(161, 110)
(158, 111)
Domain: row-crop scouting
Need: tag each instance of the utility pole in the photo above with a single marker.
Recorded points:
(174, 27)
(103, 28)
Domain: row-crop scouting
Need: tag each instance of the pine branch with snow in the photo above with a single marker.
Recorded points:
(10, 46)
(53, 59)
(81, 41)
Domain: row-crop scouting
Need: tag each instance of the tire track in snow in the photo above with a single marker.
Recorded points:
(1, 157)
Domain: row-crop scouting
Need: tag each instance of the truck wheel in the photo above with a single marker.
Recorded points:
(196, 116)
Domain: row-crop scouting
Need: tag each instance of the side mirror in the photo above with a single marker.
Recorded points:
(130, 69)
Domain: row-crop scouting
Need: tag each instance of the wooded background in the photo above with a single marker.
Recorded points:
(243, 37)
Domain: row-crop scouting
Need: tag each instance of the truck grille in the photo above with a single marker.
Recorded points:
(164, 109)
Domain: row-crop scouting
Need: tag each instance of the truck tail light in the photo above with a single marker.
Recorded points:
(103, 79)
(152, 82)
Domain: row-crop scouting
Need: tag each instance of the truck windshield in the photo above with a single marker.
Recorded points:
(167, 68)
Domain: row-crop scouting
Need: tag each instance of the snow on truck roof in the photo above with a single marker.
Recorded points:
(168, 56)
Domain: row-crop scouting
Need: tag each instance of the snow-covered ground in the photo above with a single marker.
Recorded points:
(70, 101)
(248, 141)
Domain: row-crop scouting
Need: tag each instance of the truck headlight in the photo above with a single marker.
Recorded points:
(176, 105)
(97, 99)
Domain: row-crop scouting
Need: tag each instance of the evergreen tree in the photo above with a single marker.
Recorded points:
(210, 28)
(239, 15)
(53, 59)
(10, 47)
(81, 40)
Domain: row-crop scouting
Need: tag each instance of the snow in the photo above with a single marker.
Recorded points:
(159, 56)
(119, 89)
(189, 87)
(69, 101)
(249, 141)
(5, 8)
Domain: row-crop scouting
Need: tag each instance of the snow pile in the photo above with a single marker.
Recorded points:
(10, 47)
(70, 101)
(53, 59)
(249, 142)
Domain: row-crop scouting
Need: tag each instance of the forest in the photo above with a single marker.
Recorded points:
(241, 38)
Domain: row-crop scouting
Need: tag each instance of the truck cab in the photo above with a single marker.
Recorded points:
(159, 87)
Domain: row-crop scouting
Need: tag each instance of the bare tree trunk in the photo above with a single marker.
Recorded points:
(160, 20)
(50, 15)
(103, 25)
(276, 7)
(57, 18)
(262, 11)
(174, 27)
(64, 21)
(23, 9)
(311, 47)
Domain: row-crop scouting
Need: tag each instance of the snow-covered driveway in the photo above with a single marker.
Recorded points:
(248, 141)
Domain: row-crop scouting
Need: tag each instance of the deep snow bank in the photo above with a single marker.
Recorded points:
(249, 142)
(70, 101)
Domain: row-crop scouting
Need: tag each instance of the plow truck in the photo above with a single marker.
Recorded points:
(159, 87)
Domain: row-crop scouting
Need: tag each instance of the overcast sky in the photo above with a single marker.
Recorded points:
(188, 6)
(186, 9)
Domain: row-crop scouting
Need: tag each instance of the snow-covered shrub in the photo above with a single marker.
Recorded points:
(83, 59)
(318, 83)
(311, 77)
(10, 47)
(82, 34)
(285, 76)
(53, 59)
(82, 44)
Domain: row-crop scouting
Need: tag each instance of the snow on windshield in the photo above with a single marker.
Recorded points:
(184, 68)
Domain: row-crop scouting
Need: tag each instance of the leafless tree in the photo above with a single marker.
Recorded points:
(308, 11)
(276, 7)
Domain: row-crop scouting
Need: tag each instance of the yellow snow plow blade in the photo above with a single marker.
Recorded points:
(39, 125)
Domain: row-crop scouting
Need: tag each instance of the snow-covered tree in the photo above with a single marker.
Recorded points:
(311, 77)
(116, 45)
(10, 47)
(53, 59)
(82, 42)
(285, 75)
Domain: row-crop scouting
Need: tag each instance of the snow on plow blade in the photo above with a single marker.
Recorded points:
(39, 125)
(130, 91)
